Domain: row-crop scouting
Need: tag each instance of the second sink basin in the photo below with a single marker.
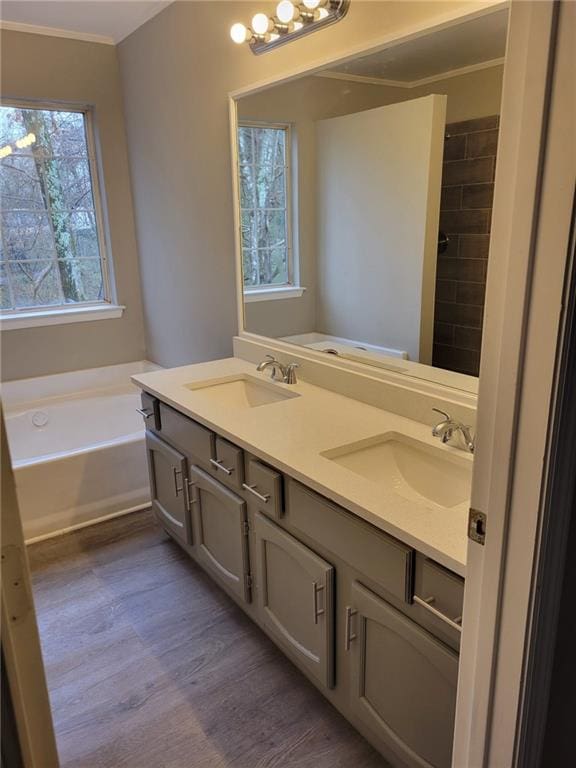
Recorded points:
(241, 391)
(413, 469)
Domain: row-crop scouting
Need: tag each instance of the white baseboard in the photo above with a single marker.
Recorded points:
(86, 523)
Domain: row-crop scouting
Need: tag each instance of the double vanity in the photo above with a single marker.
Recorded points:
(338, 527)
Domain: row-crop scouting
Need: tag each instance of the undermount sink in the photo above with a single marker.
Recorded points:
(241, 391)
(413, 469)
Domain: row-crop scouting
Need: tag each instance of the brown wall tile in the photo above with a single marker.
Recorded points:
(472, 221)
(466, 270)
(445, 290)
(482, 144)
(461, 360)
(466, 212)
(473, 171)
(451, 199)
(469, 126)
(458, 314)
(467, 338)
(476, 195)
(470, 293)
(474, 246)
(455, 147)
(443, 334)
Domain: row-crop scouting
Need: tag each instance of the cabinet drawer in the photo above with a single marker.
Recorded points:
(150, 411)
(378, 556)
(263, 487)
(439, 588)
(195, 441)
(228, 464)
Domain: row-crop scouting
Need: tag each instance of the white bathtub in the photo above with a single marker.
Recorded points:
(77, 447)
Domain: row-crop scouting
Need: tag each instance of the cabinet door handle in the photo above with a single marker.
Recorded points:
(177, 490)
(348, 635)
(219, 465)
(317, 611)
(252, 489)
(188, 500)
(145, 414)
(427, 603)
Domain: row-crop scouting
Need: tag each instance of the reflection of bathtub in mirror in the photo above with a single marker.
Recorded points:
(357, 351)
(393, 360)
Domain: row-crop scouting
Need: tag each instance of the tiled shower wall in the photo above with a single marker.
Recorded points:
(465, 216)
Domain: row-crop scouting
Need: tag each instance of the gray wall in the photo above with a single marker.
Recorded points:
(54, 68)
(177, 71)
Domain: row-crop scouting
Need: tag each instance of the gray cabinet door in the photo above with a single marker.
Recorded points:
(403, 681)
(221, 532)
(296, 594)
(169, 487)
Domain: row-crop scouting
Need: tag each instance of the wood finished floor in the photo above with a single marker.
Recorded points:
(150, 665)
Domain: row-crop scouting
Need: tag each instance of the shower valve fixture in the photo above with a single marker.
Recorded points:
(292, 20)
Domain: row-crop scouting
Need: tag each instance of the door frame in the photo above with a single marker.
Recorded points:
(523, 324)
(22, 654)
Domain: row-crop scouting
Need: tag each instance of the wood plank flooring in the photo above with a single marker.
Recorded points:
(151, 665)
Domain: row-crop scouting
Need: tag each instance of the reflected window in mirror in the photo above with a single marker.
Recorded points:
(264, 183)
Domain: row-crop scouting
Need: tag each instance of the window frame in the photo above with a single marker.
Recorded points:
(290, 288)
(107, 307)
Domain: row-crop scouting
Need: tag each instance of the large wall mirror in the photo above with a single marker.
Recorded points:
(365, 199)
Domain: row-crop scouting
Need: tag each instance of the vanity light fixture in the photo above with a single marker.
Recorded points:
(292, 20)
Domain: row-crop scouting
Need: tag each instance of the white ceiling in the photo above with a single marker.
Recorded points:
(464, 45)
(104, 21)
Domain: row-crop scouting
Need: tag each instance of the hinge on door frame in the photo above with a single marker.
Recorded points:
(248, 581)
(477, 526)
(245, 527)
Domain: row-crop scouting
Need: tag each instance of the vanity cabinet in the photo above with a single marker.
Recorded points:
(296, 598)
(402, 681)
(371, 622)
(169, 487)
(221, 533)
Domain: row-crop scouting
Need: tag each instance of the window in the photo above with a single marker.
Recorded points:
(52, 246)
(263, 155)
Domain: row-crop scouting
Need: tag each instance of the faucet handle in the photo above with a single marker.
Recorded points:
(290, 375)
(443, 413)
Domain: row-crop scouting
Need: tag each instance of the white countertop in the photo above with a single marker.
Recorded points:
(291, 434)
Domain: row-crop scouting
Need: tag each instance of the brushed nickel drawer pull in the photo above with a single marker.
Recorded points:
(264, 498)
(145, 414)
(219, 465)
(348, 635)
(317, 611)
(439, 615)
(177, 490)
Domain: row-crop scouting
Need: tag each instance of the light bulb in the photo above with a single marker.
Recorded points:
(311, 4)
(260, 23)
(238, 33)
(322, 13)
(285, 11)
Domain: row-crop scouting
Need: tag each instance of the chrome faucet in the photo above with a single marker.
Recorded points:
(446, 428)
(279, 372)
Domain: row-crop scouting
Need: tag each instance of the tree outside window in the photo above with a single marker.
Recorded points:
(51, 244)
(263, 181)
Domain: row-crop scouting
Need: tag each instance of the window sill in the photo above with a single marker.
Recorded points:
(271, 294)
(33, 319)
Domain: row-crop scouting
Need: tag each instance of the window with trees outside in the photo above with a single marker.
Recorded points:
(52, 245)
(264, 170)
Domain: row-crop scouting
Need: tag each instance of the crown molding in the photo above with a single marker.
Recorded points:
(33, 29)
(412, 83)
